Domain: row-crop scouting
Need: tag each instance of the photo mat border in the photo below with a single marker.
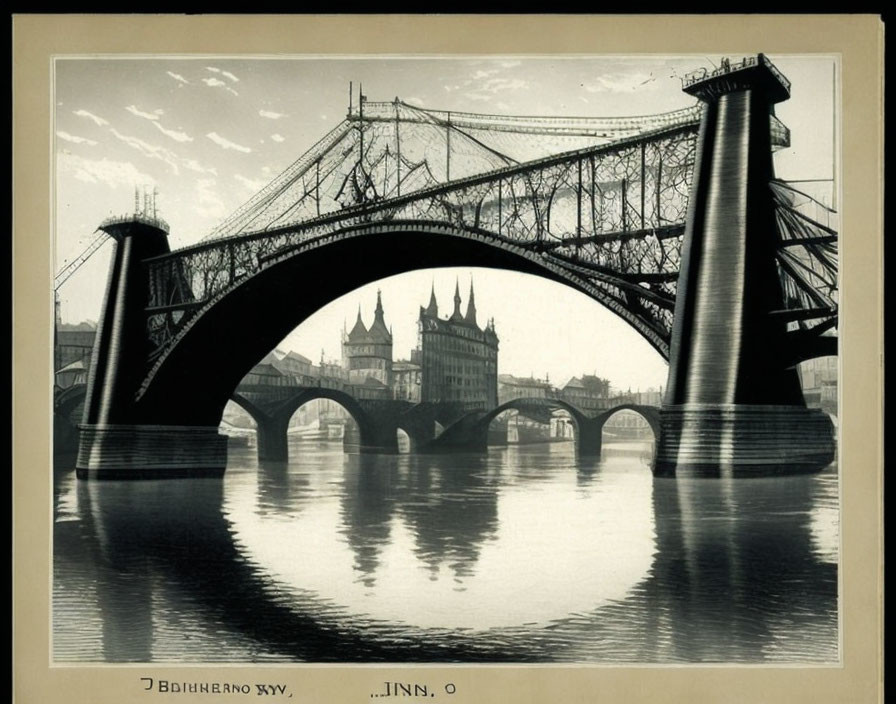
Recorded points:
(858, 39)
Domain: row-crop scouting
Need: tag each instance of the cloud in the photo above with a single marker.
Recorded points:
(618, 82)
(277, 138)
(414, 101)
(90, 116)
(174, 134)
(178, 77)
(194, 165)
(271, 115)
(208, 202)
(147, 149)
(134, 110)
(226, 74)
(480, 74)
(252, 184)
(226, 143)
(216, 83)
(75, 140)
(152, 151)
(110, 173)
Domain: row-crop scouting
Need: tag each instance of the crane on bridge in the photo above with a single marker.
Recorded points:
(147, 212)
(69, 269)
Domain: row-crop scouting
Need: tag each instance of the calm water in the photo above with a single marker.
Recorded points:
(523, 555)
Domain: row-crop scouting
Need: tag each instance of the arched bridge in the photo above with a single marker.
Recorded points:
(470, 433)
(675, 222)
(271, 407)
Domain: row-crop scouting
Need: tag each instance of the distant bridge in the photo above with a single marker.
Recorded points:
(378, 420)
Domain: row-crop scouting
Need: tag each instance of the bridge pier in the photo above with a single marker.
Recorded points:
(732, 402)
(150, 452)
(116, 440)
(589, 438)
(272, 439)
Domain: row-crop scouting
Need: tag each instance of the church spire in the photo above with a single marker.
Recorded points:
(378, 330)
(470, 317)
(457, 315)
(432, 309)
(378, 312)
(359, 330)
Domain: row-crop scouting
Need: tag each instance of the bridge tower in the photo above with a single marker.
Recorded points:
(732, 402)
(116, 439)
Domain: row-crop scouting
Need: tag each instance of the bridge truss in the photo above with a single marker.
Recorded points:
(608, 217)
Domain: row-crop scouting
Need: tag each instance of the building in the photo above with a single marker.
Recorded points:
(512, 387)
(407, 380)
(367, 352)
(459, 360)
(294, 364)
(819, 381)
(266, 374)
(590, 393)
(74, 343)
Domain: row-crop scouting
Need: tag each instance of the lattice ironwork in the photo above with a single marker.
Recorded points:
(807, 260)
(384, 150)
(608, 218)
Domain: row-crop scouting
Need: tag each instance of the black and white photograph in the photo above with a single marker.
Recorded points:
(492, 361)
(469, 359)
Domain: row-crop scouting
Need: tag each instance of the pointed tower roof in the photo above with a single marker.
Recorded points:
(378, 331)
(456, 315)
(470, 317)
(432, 309)
(359, 330)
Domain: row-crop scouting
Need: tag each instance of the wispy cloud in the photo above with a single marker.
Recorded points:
(194, 165)
(149, 150)
(226, 143)
(90, 116)
(74, 139)
(226, 74)
(134, 110)
(250, 183)
(164, 154)
(485, 73)
(111, 173)
(277, 138)
(208, 202)
(177, 77)
(217, 83)
(619, 82)
(174, 134)
(271, 115)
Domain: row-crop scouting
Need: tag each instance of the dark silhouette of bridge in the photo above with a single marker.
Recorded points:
(674, 222)
(271, 407)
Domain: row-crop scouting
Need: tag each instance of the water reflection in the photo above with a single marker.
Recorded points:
(520, 555)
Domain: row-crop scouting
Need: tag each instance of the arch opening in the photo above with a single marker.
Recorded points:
(238, 424)
(527, 424)
(244, 315)
(629, 431)
(405, 442)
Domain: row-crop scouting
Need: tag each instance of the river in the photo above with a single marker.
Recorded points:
(525, 554)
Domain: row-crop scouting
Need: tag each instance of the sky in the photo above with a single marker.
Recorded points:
(208, 132)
